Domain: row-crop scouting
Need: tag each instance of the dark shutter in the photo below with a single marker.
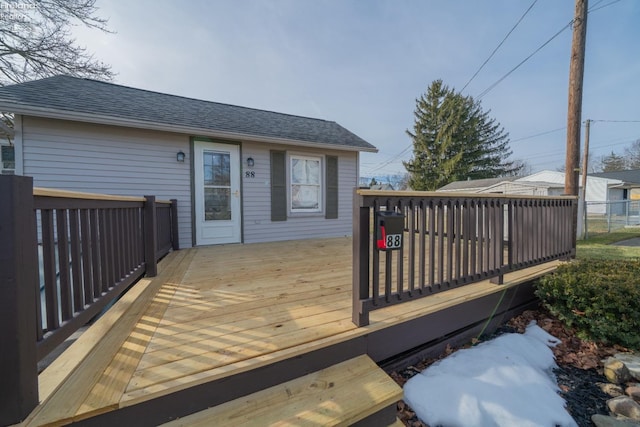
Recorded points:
(331, 208)
(278, 186)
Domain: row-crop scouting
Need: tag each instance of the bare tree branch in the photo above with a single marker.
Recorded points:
(36, 40)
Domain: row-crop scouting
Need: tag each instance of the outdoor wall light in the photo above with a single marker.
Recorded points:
(180, 157)
(250, 162)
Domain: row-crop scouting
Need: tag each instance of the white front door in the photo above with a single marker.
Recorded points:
(217, 188)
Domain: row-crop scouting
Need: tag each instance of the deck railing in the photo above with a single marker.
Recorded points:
(451, 240)
(64, 256)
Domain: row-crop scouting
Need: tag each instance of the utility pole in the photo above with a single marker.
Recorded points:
(585, 171)
(574, 117)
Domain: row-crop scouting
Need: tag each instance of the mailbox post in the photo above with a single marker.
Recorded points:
(389, 230)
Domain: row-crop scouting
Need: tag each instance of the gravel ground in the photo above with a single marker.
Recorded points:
(580, 389)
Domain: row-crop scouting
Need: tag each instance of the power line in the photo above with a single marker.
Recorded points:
(490, 88)
(394, 158)
(594, 5)
(539, 134)
(593, 9)
(499, 45)
(616, 121)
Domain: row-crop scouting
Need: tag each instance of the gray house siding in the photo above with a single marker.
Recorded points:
(133, 162)
(258, 226)
(108, 159)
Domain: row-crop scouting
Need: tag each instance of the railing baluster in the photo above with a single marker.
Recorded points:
(87, 270)
(399, 264)
(411, 210)
(458, 240)
(105, 269)
(450, 239)
(422, 213)
(376, 260)
(49, 261)
(487, 236)
(432, 243)
(481, 238)
(118, 269)
(63, 264)
(39, 297)
(76, 260)
(388, 268)
(473, 237)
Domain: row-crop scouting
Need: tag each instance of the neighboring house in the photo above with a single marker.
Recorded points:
(239, 174)
(630, 187)
(600, 188)
(474, 185)
(525, 188)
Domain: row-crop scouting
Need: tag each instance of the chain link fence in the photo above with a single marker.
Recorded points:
(605, 217)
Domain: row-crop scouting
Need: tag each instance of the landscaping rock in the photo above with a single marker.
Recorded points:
(613, 390)
(607, 421)
(616, 371)
(632, 362)
(625, 406)
(633, 391)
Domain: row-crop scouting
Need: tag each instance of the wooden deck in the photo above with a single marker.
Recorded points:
(216, 312)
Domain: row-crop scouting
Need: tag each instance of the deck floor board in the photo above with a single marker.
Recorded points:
(215, 311)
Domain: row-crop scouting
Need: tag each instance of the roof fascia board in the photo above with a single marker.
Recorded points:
(118, 121)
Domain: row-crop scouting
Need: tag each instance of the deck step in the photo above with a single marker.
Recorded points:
(344, 394)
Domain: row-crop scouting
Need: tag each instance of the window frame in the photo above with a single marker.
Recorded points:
(321, 185)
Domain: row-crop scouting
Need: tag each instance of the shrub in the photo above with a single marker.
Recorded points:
(600, 299)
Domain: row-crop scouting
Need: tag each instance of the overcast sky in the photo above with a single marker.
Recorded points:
(363, 63)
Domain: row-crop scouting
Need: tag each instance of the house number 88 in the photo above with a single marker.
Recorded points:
(394, 241)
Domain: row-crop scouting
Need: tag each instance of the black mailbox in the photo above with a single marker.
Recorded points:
(389, 230)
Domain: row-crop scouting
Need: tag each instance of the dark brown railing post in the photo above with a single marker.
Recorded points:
(18, 285)
(150, 236)
(175, 236)
(360, 260)
(498, 247)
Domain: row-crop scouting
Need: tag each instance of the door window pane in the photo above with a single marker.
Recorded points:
(217, 204)
(217, 168)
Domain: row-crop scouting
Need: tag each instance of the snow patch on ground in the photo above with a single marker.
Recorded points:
(507, 381)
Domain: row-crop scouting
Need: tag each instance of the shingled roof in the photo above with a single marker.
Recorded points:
(631, 176)
(87, 100)
(475, 184)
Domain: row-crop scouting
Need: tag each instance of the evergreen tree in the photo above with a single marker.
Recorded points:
(613, 163)
(453, 139)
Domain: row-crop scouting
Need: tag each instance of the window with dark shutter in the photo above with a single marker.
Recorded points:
(278, 186)
(331, 208)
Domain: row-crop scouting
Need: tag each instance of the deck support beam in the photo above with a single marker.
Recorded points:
(18, 288)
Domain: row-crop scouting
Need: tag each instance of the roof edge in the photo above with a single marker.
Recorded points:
(195, 131)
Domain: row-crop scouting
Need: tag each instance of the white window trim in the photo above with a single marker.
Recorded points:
(305, 156)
